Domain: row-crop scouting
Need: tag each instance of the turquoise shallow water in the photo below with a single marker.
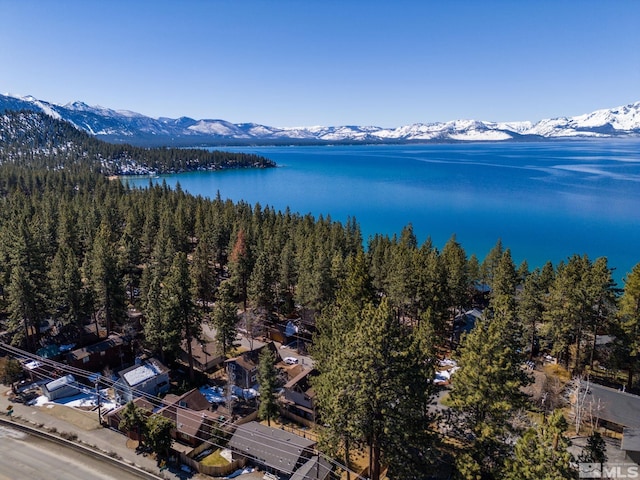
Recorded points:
(545, 201)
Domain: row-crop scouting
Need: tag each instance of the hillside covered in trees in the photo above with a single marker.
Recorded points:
(27, 137)
(80, 249)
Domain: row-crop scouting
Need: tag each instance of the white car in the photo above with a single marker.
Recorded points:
(290, 360)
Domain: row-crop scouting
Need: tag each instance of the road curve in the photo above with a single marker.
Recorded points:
(23, 455)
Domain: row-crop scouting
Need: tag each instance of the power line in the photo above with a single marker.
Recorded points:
(160, 403)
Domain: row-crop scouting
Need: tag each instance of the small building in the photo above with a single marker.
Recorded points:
(112, 352)
(50, 352)
(114, 417)
(316, 468)
(192, 428)
(62, 387)
(613, 409)
(150, 378)
(299, 397)
(243, 369)
(191, 415)
(631, 444)
(273, 449)
(465, 321)
(92, 333)
(206, 355)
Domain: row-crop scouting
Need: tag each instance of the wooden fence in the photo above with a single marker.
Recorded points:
(212, 470)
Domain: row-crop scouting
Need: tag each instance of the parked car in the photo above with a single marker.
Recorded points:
(290, 360)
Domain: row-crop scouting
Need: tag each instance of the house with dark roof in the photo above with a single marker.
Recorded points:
(192, 416)
(298, 396)
(206, 354)
(273, 449)
(613, 409)
(465, 321)
(316, 468)
(114, 417)
(112, 352)
(631, 444)
(150, 378)
(243, 369)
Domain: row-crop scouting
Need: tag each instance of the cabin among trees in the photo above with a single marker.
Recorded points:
(243, 369)
(114, 352)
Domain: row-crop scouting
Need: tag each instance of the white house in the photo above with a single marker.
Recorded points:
(150, 378)
(62, 387)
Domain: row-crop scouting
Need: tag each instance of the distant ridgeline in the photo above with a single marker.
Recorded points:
(34, 138)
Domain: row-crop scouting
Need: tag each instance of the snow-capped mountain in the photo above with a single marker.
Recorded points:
(131, 127)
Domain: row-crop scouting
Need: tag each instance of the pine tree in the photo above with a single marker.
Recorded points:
(486, 393)
(582, 295)
(287, 276)
(541, 453)
(202, 273)
(595, 451)
(225, 318)
(267, 379)
(178, 305)
(530, 307)
(601, 296)
(260, 286)
(27, 289)
(505, 279)
(564, 313)
(355, 290)
(66, 287)
(162, 333)
(629, 315)
(158, 434)
(490, 263)
(401, 286)
(106, 279)
(240, 265)
(455, 264)
(132, 420)
(376, 391)
(10, 372)
(128, 261)
(432, 293)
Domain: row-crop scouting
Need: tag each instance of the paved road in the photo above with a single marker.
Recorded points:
(102, 439)
(26, 456)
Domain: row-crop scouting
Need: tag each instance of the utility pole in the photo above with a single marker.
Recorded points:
(98, 395)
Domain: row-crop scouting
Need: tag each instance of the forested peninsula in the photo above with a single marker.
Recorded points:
(27, 137)
(78, 250)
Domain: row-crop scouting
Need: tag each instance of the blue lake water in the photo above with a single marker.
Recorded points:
(546, 201)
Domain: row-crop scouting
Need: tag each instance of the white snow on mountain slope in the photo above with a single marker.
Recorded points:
(478, 136)
(101, 121)
(215, 127)
(129, 113)
(48, 110)
(621, 118)
(44, 106)
(518, 127)
(342, 133)
(455, 130)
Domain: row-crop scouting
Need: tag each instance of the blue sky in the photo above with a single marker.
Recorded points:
(293, 63)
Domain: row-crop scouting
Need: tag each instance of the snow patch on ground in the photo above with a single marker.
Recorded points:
(84, 399)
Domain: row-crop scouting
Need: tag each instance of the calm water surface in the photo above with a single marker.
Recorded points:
(546, 201)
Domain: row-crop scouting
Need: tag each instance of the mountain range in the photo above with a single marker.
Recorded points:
(123, 126)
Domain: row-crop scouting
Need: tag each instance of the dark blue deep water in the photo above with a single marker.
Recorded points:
(546, 201)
